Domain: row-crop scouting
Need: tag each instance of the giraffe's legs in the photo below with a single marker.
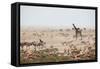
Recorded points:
(81, 34)
(76, 35)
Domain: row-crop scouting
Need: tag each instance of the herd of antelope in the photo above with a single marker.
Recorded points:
(41, 43)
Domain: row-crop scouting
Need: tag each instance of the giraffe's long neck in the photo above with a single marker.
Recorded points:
(74, 27)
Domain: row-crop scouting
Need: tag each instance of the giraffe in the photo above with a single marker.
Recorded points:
(77, 31)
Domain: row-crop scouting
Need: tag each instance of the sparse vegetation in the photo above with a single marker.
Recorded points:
(56, 46)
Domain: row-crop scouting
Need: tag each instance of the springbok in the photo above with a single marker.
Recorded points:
(35, 44)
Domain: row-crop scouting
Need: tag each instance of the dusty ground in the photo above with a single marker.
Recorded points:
(62, 40)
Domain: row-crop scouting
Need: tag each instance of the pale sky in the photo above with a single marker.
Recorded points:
(56, 17)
